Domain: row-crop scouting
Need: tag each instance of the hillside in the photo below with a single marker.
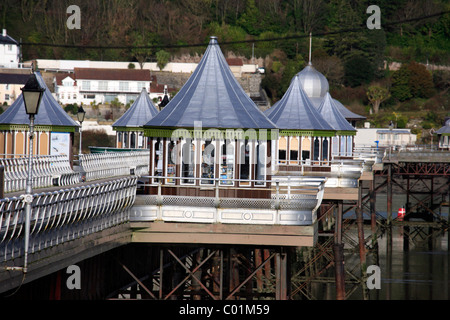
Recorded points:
(355, 62)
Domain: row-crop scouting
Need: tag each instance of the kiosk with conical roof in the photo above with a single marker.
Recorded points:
(304, 134)
(210, 129)
(342, 143)
(54, 128)
(129, 127)
(443, 134)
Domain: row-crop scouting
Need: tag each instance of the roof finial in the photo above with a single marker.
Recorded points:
(310, 45)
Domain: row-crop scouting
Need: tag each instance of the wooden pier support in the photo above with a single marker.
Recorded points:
(338, 250)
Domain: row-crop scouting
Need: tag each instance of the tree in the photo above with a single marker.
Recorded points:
(162, 58)
(376, 95)
(400, 84)
(358, 70)
(251, 18)
(420, 80)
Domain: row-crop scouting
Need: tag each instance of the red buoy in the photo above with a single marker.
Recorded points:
(401, 213)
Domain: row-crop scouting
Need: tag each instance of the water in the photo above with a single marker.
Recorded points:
(417, 274)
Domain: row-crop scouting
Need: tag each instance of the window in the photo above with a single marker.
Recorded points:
(9, 47)
(316, 149)
(123, 86)
(6, 96)
(170, 162)
(140, 85)
(293, 150)
(227, 163)
(343, 146)
(335, 145)
(188, 161)
(349, 146)
(325, 149)
(85, 85)
(261, 163)
(157, 158)
(133, 141)
(282, 146)
(244, 169)
(103, 85)
(208, 163)
(306, 149)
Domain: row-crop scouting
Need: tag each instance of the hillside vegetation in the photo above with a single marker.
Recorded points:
(355, 63)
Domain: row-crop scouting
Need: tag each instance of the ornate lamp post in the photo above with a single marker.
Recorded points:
(80, 115)
(32, 94)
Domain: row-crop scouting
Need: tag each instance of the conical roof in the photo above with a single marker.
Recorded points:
(349, 115)
(330, 112)
(213, 96)
(445, 129)
(140, 112)
(295, 111)
(50, 112)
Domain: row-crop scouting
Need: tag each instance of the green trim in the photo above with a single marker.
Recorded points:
(346, 133)
(24, 127)
(313, 133)
(196, 133)
(128, 129)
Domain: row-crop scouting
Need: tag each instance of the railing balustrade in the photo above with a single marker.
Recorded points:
(46, 168)
(113, 164)
(64, 215)
(292, 201)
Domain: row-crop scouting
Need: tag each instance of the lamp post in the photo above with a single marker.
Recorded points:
(80, 115)
(32, 94)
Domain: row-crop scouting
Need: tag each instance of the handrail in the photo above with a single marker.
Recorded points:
(65, 214)
(45, 168)
(113, 164)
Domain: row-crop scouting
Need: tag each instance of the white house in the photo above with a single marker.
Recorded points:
(9, 51)
(384, 137)
(88, 85)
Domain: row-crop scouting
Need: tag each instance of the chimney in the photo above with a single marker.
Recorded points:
(4, 32)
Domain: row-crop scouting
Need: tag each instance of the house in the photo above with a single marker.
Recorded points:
(9, 51)
(66, 88)
(10, 84)
(96, 85)
(384, 137)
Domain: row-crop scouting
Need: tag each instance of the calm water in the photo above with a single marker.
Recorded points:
(416, 274)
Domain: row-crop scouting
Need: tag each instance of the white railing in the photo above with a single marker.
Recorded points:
(113, 164)
(64, 215)
(47, 171)
(291, 201)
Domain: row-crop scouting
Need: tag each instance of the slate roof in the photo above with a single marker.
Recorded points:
(140, 112)
(445, 130)
(349, 115)
(330, 112)
(50, 112)
(295, 111)
(13, 78)
(213, 96)
(112, 74)
(7, 39)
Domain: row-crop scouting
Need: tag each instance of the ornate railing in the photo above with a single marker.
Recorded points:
(292, 201)
(47, 171)
(64, 215)
(112, 164)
